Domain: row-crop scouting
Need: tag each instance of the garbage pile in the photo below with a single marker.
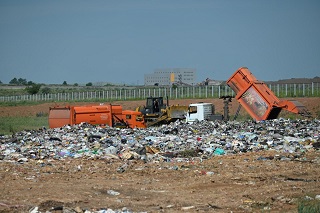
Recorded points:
(178, 140)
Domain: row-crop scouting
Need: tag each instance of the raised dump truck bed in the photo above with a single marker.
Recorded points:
(257, 99)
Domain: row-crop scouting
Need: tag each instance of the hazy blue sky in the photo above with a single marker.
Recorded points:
(118, 41)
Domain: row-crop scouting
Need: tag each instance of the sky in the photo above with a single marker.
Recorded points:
(118, 41)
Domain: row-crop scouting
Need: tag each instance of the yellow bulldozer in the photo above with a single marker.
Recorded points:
(157, 112)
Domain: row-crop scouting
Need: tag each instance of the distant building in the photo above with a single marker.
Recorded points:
(210, 82)
(169, 76)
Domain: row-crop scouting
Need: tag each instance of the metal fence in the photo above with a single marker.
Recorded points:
(280, 90)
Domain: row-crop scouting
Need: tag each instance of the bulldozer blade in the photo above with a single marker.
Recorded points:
(177, 112)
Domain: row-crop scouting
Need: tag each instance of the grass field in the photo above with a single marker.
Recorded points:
(11, 125)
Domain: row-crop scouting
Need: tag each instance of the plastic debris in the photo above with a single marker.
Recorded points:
(202, 139)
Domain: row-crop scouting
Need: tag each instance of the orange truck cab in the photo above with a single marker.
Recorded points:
(106, 114)
(134, 119)
(257, 99)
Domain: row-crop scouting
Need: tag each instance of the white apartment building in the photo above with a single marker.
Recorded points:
(169, 76)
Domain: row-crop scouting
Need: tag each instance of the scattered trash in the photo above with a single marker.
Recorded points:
(219, 151)
(203, 139)
(114, 193)
(187, 208)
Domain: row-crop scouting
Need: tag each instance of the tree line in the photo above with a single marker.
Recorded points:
(34, 88)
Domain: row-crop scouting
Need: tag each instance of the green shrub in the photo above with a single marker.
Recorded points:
(33, 89)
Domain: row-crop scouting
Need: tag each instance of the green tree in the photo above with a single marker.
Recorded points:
(76, 84)
(33, 89)
(64, 83)
(89, 84)
(22, 81)
(14, 81)
(45, 90)
(174, 86)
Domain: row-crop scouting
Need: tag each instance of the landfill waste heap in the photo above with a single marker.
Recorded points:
(204, 138)
(176, 142)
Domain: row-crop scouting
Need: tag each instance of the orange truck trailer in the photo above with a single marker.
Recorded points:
(258, 100)
(104, 114)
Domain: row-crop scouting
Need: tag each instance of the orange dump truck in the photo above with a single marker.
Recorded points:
(257, 99)
(106, 114)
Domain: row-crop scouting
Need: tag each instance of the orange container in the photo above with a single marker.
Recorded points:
(110, 115)
(257, 99)
(59, 116)
(92, 114)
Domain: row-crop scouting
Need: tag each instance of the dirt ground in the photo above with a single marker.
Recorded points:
(264, 181)
(240, 183)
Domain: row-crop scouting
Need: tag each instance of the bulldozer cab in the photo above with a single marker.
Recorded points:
(156, 112)
(154, 105)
